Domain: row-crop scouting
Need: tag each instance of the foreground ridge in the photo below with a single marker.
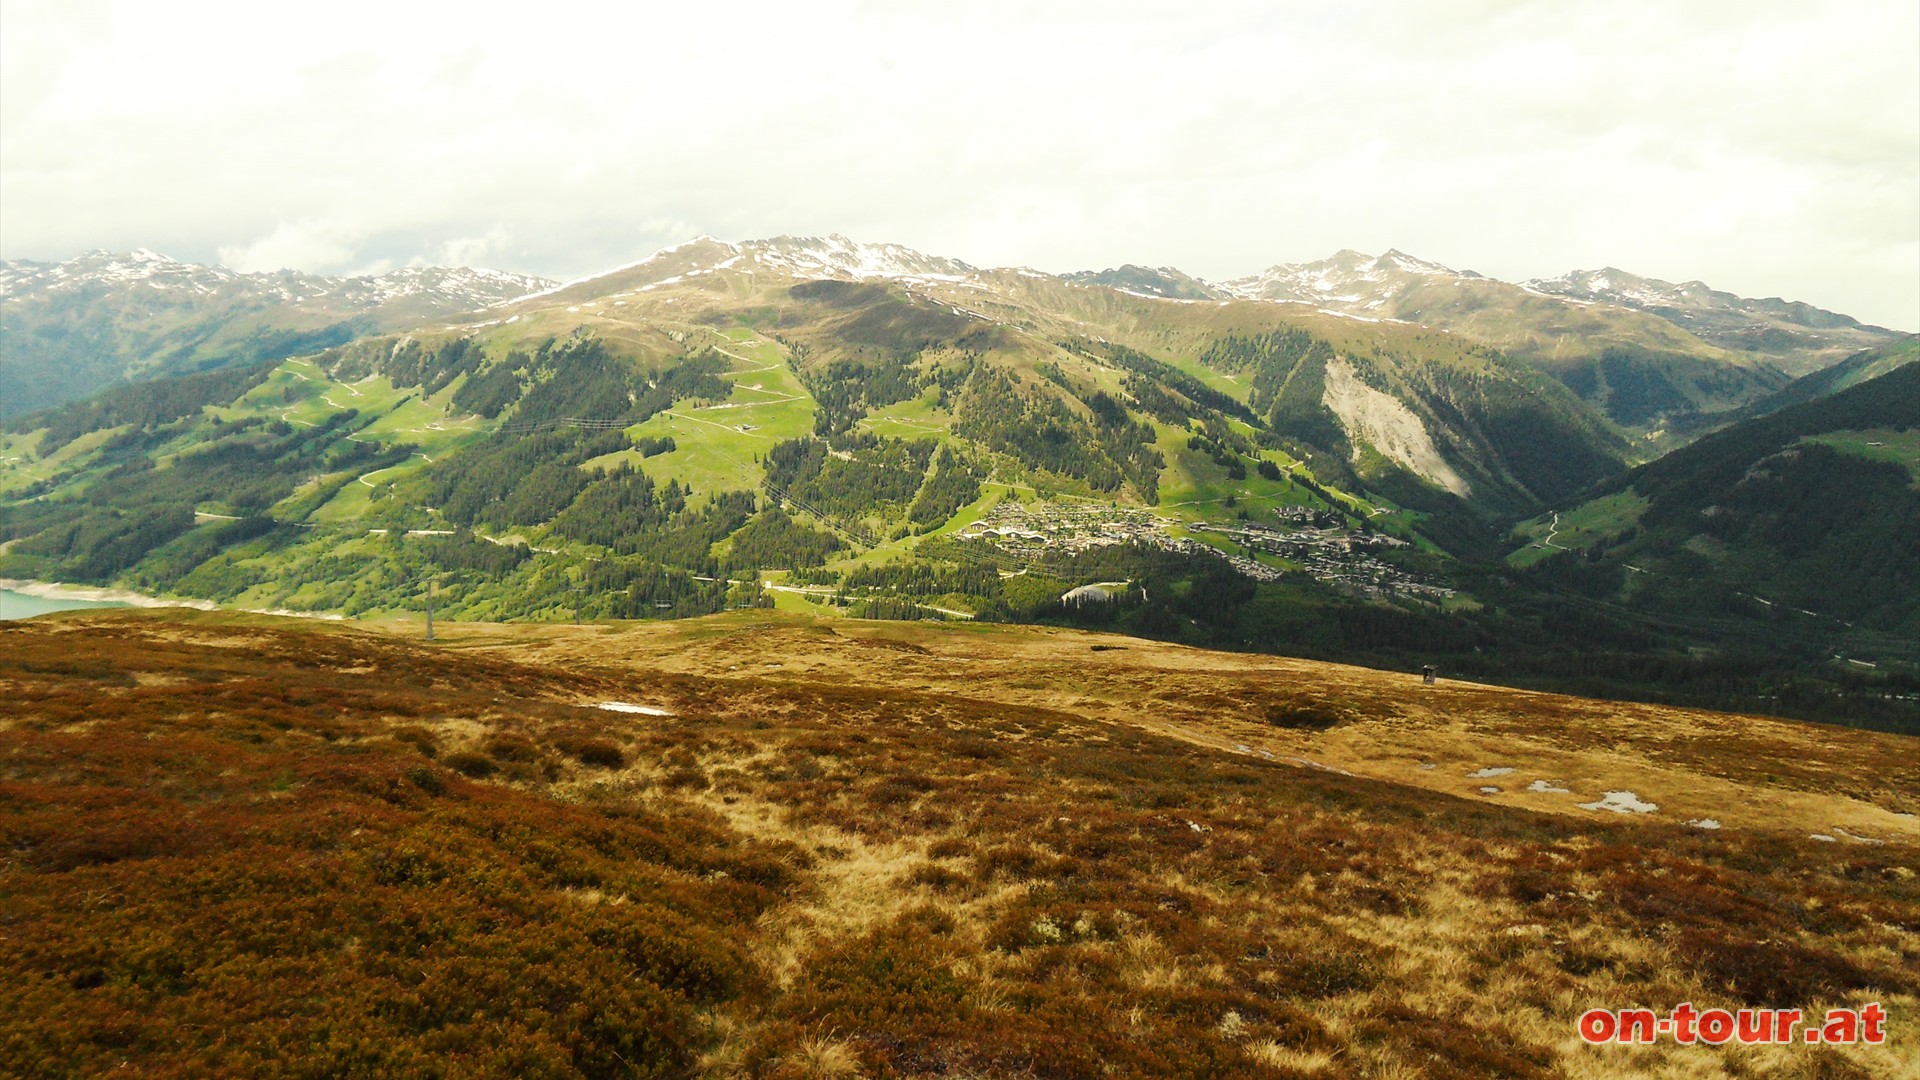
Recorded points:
(244, 844)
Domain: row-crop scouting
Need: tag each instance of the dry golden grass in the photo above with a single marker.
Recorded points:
(1742, 771)
(905, 850)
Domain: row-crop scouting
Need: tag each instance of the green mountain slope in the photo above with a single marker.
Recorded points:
(1162, 281)
(840, 429)
(1855, 369)
(811, 407)
(1804, 518)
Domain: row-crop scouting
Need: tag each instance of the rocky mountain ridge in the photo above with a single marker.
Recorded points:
(69, 329)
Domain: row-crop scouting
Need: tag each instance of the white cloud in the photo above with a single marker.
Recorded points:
(468, 250)
(1764, 146)
(308, 244)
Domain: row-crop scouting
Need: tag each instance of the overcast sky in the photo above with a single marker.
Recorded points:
(1768, 148)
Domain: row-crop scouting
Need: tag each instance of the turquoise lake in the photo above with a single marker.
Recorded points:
(14, 605)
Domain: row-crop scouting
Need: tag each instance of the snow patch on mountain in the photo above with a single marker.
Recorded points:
(1348, 277)
(101, 272)
(1380, 420)
(662, 256)
(1154, 282)
(1768, 325)
(1610, 286)
(805, 257)
(453, 288)
(107, 270)
(837, 256)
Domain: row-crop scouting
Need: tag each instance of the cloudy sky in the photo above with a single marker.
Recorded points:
(1770, 148)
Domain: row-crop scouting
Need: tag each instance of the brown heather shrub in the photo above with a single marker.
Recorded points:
(468, 763)
(977, 748)
(950, 847)
(1450, 1048)
(1323, 972)
(685, 777)
(895, 790)
(427, 779)
(1826, 1063)
(1777, 973)
(511, 748)
(938, 878)
(1027, 924)
(115, 836)
(677, 953)
(211, 882)
(1303, 717)
(599, 753)
(1022, 861)
(419, 738)
(251, 867)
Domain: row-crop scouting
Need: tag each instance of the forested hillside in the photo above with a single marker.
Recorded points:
(716, 428)
(1803, 520)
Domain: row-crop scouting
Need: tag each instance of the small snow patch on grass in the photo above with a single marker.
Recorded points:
(1546, 788)
(1487, 773)
(1621, 802)
(627, 707)
(1704, 823)
(1855, 837)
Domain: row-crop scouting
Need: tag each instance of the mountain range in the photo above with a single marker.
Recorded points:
(71, 328)
(1803, 335)
(1324, 458)
(1644, 351)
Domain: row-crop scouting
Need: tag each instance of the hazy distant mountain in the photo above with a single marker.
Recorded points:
(1802, 337)
(1855, 369)
(1646, 373)
(1348, 280)
(1658, 360)
(71, 328)
(1796, 337)
(1383, 376)
(1162, 281)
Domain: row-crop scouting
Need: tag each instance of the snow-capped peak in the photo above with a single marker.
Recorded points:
(1346, 277)
(1613, 286)
(1396, 259)
(1162, 282)
(837, 256)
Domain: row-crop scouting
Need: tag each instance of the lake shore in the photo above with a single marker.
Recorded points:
(53, 590)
